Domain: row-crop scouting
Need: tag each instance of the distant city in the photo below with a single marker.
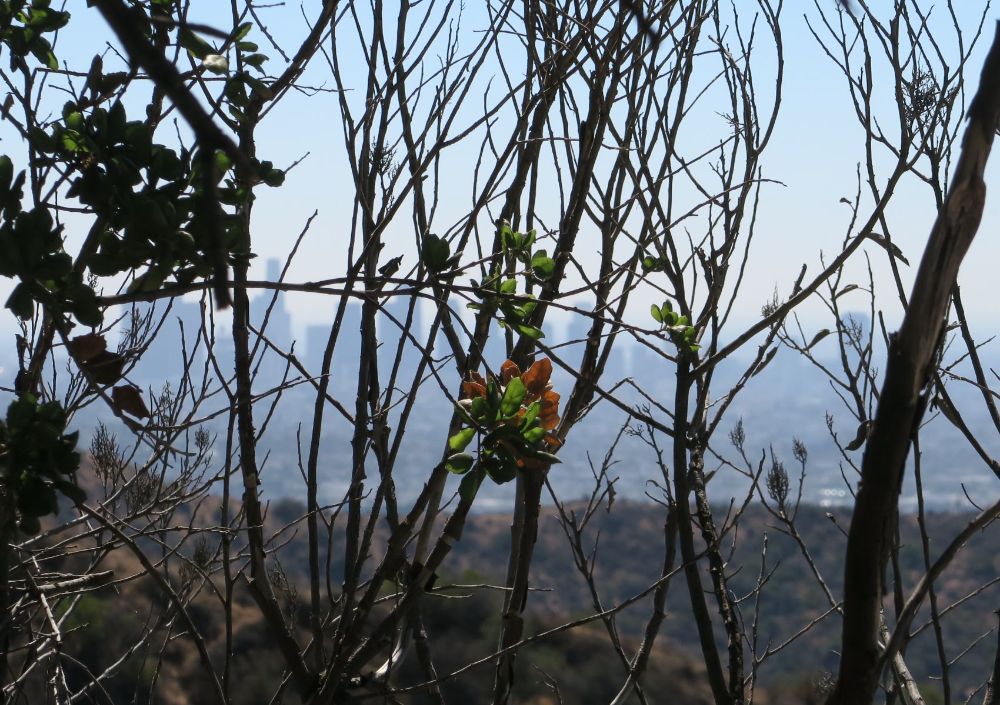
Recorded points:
(789, 400)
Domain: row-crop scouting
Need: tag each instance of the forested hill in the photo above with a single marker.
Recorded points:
(630, 553)
(578, 665)
(627, 549)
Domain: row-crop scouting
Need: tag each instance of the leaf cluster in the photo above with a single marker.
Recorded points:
(22, 28)
(31, 249)
(677, 326)
(516, 245)
(38, 458)
(513, 416)
(162, 212)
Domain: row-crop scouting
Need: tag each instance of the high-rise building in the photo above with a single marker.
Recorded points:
(391, 322)
(270, 316)
(344, 367)
(178, 342)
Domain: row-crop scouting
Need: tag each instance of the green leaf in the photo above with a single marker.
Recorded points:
(6, 172)
(530, 414)
(469, 486)
(434, 252)
(530, 332)
(512, 397)
(88, 313)
(509, 286)
(150, 280)
(464, 413)
(255, 60)
(506, 237)
(21, 303)
(41, 140)
(459, 463)
(274, 177)
(222, 162)
(534, 435)
(194, 44)
(42, 50)
(547, 457)
(242, 31)
(460, 440)
(542, 265)
(480, 408)
(76, 495)
(530, 452)
(502, 469)
(492, 394)
(117, 120)
(29, 525)
(654, 310)
(37, 498)
(75, 121)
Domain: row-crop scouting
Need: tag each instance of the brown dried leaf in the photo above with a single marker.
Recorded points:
(818, 337)
(765, 362)
(889, 247)
(105, 368)
(864, 429)
(127, 398)
(87, 347)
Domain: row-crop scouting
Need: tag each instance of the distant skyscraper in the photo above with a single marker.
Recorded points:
(390, 323)
(344, 370)
(577, 333)
(278, 329)
(180, 333)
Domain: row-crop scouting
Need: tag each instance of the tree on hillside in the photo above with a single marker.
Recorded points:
(488, 167)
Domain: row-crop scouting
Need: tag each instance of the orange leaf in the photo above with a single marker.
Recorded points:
(471, 390)
(548, 416)
(474, 387)
(550, 400)
(508, 371)
(537, 376)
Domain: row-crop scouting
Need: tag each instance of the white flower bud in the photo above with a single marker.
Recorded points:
(216, 63)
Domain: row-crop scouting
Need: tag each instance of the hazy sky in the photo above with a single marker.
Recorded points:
(815, 153)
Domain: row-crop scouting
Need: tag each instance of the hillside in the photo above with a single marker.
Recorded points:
(576, 665)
